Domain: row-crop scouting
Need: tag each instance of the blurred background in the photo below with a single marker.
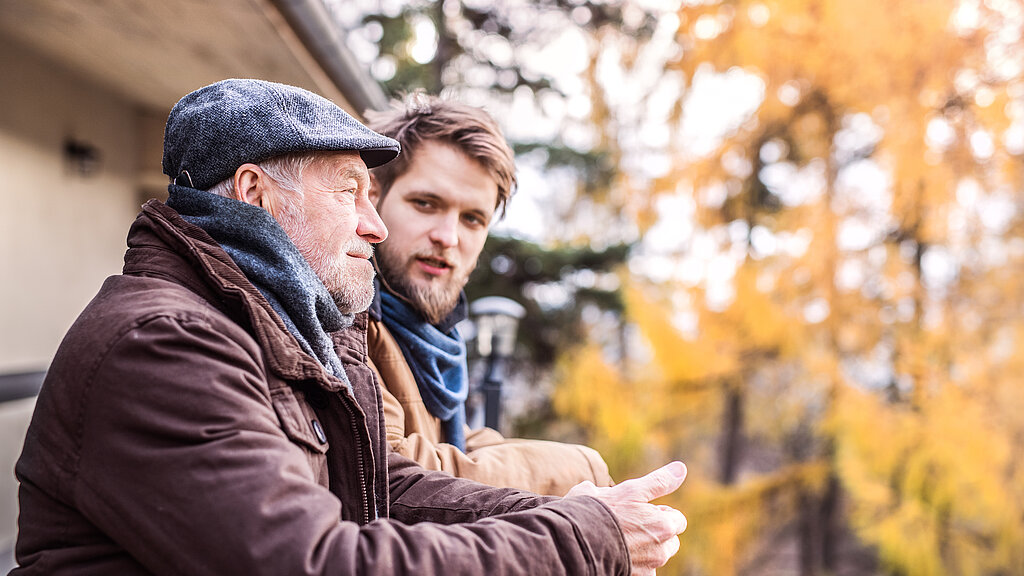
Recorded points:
(779, 240)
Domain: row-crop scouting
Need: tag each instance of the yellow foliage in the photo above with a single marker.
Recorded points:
(930, 486)
(623, 410)
(679, 359)
(905, 384)
(725, 524)
(755, 320)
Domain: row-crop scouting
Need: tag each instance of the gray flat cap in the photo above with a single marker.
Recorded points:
(216, 129)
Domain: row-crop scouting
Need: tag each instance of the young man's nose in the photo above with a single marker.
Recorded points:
(370, 227)
(445, 231)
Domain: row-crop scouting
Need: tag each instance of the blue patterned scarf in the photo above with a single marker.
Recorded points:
(437, 360)
(269, 259)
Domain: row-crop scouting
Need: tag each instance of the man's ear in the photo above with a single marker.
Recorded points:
(252, 186)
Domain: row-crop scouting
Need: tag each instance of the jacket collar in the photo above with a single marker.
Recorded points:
(162, 243)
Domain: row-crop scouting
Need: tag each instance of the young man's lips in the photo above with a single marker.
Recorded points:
(433, 266)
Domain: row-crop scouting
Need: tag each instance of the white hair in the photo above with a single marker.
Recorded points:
(286, 170)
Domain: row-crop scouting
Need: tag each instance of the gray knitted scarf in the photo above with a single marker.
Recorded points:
(269, 259)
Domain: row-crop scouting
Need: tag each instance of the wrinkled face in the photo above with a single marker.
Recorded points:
(334, 225)
(438, 213)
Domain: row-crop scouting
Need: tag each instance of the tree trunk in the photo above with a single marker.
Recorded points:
(828, 523)
(732, 434)
(808, 535)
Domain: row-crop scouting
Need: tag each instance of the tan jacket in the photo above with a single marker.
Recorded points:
(536, 465)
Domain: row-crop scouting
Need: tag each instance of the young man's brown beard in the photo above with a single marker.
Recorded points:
(433, 303)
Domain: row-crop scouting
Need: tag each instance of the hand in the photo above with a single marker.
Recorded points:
(651, 532)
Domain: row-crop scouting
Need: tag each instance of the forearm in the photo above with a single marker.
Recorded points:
(572, 536)
(539, 466)
(421, 495)
(516, 532)
(535, 465)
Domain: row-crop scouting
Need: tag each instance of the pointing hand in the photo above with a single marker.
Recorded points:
(651, 532)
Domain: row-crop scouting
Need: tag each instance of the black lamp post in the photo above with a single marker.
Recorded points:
(496, 320)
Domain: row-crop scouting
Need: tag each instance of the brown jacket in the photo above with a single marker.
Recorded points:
(535, 465)
(181, 430)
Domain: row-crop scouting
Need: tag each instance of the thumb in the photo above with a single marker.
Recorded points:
(661, 482)
(585, 488)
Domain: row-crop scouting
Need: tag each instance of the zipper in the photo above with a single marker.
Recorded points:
(361, 465)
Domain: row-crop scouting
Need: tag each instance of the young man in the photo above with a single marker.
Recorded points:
(438, 199)
(210, 413)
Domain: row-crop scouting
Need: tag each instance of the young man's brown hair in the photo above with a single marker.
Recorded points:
(425, 118)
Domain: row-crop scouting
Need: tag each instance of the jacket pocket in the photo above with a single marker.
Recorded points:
(303, 428)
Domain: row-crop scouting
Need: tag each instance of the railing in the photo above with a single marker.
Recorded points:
(20, 385)
(17, 393)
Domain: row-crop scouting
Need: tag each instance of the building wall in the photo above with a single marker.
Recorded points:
(61, 231)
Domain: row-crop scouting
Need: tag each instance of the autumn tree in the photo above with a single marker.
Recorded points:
(853, 331)
(823, 315)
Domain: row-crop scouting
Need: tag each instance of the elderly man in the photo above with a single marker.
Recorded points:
(438, 199)
(210, 411)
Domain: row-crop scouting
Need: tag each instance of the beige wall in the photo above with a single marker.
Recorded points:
(61, 233)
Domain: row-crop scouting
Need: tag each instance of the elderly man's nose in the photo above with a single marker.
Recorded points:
(370, 226)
